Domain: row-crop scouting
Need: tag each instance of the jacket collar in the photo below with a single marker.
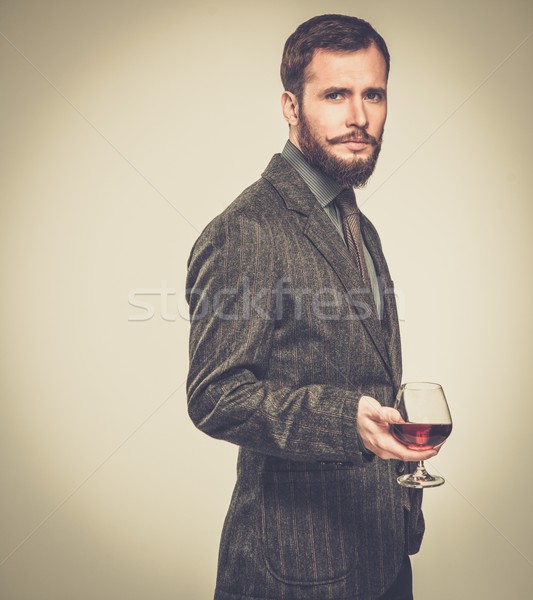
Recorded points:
(290, 186)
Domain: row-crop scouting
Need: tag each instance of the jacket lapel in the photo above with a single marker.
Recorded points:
(322, 234)
(390, 321)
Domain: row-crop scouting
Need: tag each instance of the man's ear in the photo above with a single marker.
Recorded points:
(290, 108)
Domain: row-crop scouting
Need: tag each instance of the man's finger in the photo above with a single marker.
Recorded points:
(391, 415)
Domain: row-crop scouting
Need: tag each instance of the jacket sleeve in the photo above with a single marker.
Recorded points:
(230, 285)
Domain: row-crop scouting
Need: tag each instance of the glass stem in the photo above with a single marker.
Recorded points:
(421, 470)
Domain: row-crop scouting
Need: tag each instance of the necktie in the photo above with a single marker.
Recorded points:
(351, 227)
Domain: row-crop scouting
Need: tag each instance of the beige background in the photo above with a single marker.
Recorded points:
(123, 127)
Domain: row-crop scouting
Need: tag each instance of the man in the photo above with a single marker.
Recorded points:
(295, 349)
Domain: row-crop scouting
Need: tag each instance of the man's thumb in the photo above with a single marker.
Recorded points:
(391, 415)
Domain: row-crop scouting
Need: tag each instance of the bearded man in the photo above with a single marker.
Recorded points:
(295, 348)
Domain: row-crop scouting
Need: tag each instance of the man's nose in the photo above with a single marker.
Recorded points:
(357, 114)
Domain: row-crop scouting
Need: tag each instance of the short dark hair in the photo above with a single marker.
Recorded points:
(337, 33)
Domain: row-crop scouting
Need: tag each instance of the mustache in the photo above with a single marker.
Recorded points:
(357, 136)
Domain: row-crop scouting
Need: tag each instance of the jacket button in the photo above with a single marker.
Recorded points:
(400, 468)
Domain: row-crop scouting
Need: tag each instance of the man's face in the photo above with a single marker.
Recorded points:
(342, 113)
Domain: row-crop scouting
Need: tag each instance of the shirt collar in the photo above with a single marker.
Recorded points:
(323, 187)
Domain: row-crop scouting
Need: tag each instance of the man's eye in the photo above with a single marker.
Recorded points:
(334, 96)
(374, 96)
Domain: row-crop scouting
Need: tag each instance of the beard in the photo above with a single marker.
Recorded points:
(354, 172)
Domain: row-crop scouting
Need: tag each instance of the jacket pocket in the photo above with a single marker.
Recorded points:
(308, 525)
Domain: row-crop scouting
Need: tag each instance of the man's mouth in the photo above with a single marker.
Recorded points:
(355, 139)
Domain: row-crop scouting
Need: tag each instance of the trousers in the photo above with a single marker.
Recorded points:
(402, 587)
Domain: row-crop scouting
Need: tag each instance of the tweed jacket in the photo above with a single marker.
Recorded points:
(284, 341)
